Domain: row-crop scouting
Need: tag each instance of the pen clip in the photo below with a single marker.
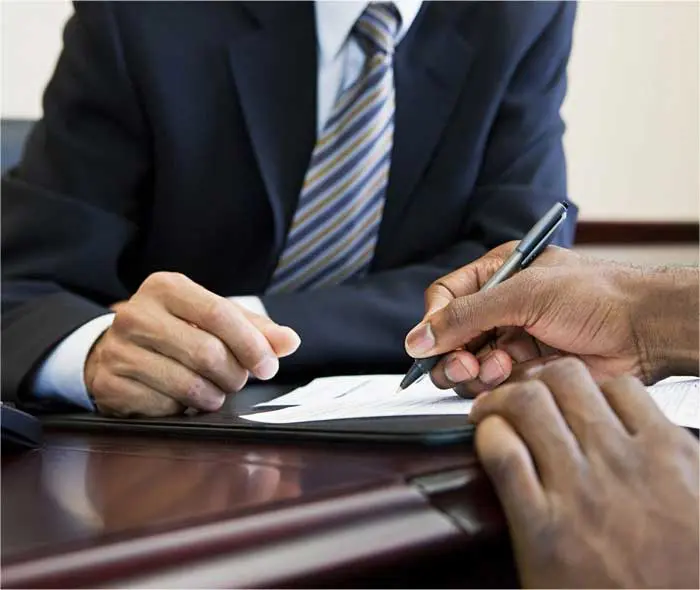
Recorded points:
(543, 243)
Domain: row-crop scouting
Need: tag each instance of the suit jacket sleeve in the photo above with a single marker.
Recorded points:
(83, 158)
(361, 325)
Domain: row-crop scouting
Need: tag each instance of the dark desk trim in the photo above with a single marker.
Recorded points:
(637, 232)
(232, 552)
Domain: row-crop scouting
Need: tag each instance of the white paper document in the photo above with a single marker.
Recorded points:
(679, 399)
(373, 396)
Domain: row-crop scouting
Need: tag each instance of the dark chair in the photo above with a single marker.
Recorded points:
(13, 134)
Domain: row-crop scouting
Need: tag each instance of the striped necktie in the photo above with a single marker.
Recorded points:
(336, 223)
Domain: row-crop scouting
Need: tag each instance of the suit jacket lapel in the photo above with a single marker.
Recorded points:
(274, 69)
(430, 66)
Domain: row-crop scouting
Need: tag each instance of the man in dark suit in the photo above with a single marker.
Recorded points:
(232, 178)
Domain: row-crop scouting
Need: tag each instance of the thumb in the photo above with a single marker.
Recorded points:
(466, 280)
(466, 318)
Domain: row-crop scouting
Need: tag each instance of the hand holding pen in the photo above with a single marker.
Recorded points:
(563, 304)
(521, 256)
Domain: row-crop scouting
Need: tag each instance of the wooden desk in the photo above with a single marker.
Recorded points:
(117, 510)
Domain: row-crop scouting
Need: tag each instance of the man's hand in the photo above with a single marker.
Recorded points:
(175, 345)
(599, 489)
(564, 304)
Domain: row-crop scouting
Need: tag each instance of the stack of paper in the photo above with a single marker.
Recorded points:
(679, 399)
(373, 396)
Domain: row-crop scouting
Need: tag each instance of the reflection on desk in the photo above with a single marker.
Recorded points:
(90, 510)
(115, 492)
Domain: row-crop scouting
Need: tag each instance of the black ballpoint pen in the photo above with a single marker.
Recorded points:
(529, 248)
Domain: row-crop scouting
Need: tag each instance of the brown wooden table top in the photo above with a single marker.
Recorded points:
(151, 511)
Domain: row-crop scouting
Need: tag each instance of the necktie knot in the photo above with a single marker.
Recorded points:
(378, 27)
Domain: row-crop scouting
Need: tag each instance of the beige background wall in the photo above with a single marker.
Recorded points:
(632, 108)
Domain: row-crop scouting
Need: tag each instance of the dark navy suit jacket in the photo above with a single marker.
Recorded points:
(176, 137)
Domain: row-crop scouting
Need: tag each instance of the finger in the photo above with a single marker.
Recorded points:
(530, 369)
(510, 304)
(508, 464)
(164, 375)
(124, 397)
(195, 348)
(519, 345)
(459, 312)
(580, 401)
(283, 339)
(455, 368)
(198, 350)
(218, 316)
(466, 280)
(495, 367)
(519, 372)
(632, 403)
(530, 409)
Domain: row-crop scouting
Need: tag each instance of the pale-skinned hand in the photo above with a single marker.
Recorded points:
(174, 345)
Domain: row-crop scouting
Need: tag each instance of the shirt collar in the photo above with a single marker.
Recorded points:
(335, 19)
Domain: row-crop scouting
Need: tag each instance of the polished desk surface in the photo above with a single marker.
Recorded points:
(125, 510)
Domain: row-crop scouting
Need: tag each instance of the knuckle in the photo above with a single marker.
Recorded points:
(252, 349)
(209, 355)
(109, 353)
(526, 396)
(504, 463)
(126, 320)
(113, 352)
(162, 281)
(103, 383)
(565, 366)
(216, 312)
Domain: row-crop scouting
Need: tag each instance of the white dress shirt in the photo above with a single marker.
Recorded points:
(340, 61)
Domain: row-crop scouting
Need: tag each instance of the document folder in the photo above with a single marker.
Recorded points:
(226, 423)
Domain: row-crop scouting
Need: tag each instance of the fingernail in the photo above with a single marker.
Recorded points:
(420, 340)
(456, 371)
(267, 368)
(491, 370)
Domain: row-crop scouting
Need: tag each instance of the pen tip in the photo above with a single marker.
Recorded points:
(399, 389)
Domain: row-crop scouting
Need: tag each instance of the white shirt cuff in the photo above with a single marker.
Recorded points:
(61, 376)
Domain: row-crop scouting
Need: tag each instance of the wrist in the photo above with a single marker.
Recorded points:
(665, 318)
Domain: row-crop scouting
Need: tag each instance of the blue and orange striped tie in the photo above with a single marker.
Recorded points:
(335, 227)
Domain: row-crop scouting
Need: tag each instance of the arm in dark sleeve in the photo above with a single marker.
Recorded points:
(69, 208)
(361, 325)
